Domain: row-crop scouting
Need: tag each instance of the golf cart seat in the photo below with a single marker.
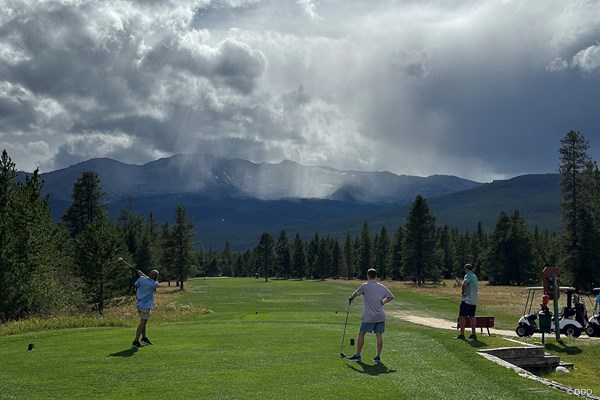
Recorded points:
(567, 312)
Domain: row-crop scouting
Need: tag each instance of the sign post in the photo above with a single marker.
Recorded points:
(555, 301)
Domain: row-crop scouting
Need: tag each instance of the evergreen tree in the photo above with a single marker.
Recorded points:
(573, 163)
(97, 248)
(336, 260)
(479, 246)
(167, 254)
(265, 255)
(312, 252)
(511, 258)
(298, 257)
(396, 267)
(35, 257)
(182, 241)
(365, 250)
(349, 257)
(448, 249)
(284, 256)
(88, 203)
(382, 254)
(421, 259)
(227, 260)
(463, 252)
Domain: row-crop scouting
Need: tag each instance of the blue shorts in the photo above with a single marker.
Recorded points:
(467, 310)
(376, 327)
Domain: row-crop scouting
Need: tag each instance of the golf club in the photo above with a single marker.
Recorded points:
(342, 355)
(120, 259)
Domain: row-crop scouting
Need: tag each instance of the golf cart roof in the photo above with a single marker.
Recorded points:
(561, 288)
(596, 289)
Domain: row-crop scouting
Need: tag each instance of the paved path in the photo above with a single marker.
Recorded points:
(441, 323)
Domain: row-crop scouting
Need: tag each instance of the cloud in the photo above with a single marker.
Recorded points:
(471, 88)
(588, 60)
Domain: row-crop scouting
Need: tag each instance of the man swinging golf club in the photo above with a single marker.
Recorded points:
(373, 317)
(145, 289)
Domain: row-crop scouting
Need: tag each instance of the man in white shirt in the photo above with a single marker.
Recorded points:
(373, 316)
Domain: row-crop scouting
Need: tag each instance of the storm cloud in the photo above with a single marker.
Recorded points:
(478, 89)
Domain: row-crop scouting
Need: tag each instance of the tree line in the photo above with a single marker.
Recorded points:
(71, 265)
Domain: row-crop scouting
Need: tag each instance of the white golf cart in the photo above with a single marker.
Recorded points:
(572, 318)
(593, 326)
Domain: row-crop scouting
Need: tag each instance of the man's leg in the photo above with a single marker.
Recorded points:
(141, 329)
(473, 323)
(361, 342)
(462, 323)
(379, 343)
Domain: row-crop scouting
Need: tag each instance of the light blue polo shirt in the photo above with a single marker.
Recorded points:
(145, 292)
(470, 295)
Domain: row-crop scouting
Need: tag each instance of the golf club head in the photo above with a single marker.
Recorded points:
(120, 259)
(342, 355)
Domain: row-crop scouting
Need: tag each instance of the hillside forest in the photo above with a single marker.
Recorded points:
(72, 265)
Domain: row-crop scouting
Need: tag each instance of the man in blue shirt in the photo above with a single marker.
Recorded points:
(145, 289)
(373, 317)
(468, 303)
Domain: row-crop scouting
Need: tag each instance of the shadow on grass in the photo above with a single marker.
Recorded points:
(561, 347)
(377, 369)
(478, 344)
(125, 353)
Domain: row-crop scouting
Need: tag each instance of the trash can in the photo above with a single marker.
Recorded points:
(545, 320)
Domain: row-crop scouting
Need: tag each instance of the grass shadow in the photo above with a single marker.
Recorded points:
(561, 347)
(125, 353)
(478, 344)
(374, 370)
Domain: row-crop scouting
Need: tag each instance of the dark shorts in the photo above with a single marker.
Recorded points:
(376, 327)
(467, 310)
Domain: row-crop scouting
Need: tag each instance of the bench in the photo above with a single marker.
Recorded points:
(480, 322)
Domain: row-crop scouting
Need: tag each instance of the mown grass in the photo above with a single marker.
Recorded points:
(248, 339)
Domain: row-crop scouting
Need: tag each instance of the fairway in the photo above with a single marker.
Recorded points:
(260, 340)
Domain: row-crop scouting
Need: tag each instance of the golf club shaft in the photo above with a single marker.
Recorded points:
(345, 325)
(129, 265)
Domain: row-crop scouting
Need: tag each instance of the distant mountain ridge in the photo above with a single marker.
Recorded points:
(219, 177)
(236, 200)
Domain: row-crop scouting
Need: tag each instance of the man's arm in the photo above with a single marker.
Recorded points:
(388, 297)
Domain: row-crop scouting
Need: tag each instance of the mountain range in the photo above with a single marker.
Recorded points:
(236, 200)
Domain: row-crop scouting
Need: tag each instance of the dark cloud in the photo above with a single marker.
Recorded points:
(470, 88)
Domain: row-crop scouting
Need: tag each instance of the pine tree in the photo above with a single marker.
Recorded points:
(88, 203)
(421, 259)
(182, 241)
(349, 257)
(265, 255)
(574, 161)
(397, 261)
(97, 248)
(284, 256)
(382, 254)
(365, 251)
(298, 257)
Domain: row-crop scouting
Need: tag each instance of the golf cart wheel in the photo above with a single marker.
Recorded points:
(571, 331)
(591, 331)
(523, 330)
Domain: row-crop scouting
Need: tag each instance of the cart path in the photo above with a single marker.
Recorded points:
(441, 323)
